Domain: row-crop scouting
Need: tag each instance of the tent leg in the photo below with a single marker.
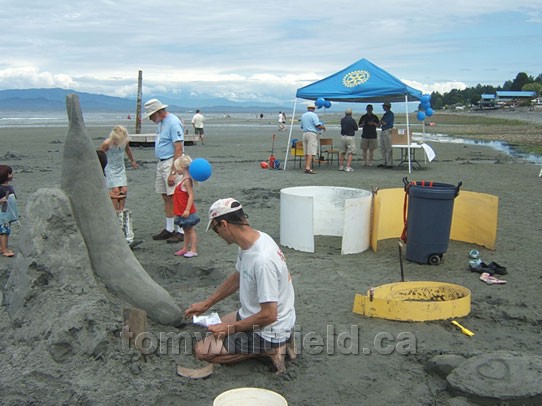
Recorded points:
(290, 136)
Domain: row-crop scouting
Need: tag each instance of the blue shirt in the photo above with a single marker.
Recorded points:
(170, 130)
(388, 118)
(310, 122)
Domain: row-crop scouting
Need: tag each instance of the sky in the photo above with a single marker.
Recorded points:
(262, 51)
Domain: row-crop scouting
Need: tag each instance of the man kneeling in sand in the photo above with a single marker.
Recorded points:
(264, 323)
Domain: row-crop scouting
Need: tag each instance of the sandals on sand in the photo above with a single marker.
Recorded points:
(8, 253)
(491, 280)
(310, 171)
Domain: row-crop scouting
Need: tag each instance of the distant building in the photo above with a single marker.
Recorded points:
(487, 101)
(513, 97)
(504, 98)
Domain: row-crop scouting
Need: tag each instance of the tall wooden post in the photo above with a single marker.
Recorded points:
(138, 107)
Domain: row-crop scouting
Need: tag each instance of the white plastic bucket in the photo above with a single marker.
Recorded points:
(249, 397)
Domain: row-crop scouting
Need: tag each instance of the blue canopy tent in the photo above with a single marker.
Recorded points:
(362, 81)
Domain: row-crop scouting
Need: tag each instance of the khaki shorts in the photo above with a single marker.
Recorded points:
(310, 143)
(369, 144)
(163, 169)
(348, 144)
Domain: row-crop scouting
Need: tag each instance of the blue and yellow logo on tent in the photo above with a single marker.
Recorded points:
(356, 77)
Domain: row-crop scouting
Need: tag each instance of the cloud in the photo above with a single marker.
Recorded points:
(260, 50)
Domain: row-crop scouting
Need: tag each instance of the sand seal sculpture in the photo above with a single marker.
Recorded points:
(112, 260)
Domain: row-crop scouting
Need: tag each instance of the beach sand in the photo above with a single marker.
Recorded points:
(505, 317)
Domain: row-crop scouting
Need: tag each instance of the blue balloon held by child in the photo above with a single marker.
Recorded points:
(200, 169)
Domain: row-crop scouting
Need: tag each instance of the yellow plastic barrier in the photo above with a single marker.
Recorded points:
(414, 301)
(474, 218)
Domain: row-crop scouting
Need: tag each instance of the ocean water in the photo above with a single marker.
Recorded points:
(107, 119)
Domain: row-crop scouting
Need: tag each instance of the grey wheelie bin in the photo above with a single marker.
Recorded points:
(429, 220)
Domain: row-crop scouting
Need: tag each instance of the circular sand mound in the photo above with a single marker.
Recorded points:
(502, 375)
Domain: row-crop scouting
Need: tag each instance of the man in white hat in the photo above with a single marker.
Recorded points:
(310, 124)
(168, 146)
(263, 325)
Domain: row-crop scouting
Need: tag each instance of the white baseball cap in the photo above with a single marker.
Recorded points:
(222, 207)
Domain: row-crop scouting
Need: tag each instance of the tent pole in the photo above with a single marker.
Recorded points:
(290, 135)
(408, 135)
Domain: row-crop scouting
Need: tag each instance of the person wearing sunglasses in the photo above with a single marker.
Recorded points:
(263, 324)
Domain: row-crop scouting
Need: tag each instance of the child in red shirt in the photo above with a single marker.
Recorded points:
(184, 208)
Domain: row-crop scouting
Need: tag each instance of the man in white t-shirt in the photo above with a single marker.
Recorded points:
(197, 122)
(264, 323)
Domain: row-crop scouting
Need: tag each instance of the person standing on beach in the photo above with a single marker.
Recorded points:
(282, 121)
(368, 122)
(168, 146)
(348, 142)
(310, 124)
(197, 122)
(115, 146)
(264, 323)
(185, 209)
(385, 136)
(8, 209)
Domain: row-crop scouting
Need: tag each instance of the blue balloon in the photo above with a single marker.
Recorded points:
(320, 102)
(200, 169)
(426, 99)
(429, 112)
(327, 104)
(421, 116)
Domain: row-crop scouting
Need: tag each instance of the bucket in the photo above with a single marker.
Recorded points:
(249, 397)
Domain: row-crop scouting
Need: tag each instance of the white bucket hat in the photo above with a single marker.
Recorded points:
(152, 106)
(221, 207)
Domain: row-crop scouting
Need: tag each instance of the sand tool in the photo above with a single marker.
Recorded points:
(271, 161)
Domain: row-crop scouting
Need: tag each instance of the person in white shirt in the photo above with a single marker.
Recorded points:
(197, 123)
(264, 323)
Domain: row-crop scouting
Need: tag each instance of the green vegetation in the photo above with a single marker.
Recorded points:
(471, 95)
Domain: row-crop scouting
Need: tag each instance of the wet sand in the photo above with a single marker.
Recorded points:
(503, 317)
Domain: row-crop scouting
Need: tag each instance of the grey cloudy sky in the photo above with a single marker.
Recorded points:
(250, 50)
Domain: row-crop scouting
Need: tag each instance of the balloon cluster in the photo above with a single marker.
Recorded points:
(424, 109)
(321, 102)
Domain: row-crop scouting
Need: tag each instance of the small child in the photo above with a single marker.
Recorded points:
(184, 208)
(8, 211)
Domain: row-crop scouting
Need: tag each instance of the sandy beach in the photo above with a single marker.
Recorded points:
(504, 317)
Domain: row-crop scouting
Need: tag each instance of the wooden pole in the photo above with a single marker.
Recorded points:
(138, 107)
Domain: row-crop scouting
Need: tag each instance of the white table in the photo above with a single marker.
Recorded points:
(403, 149)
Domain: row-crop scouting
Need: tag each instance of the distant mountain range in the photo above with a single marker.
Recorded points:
(55, 100)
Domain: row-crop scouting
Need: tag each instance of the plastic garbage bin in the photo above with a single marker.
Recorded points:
(429, 219)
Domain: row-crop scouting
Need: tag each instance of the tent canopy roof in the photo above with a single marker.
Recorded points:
(362, 81)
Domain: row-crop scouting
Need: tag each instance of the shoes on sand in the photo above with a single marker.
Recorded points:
(190, 254)
(181, 252)
(163, 235)
(349, 169)
(491, 280)
(310, 171)
(498, 269)
(175, 238)
(478, 266)
(341, 168)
